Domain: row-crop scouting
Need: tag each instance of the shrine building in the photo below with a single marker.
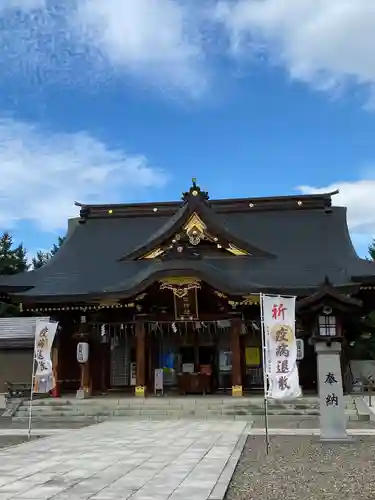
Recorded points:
(176, 286)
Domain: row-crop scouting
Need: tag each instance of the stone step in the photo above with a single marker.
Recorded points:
(165, 411)
(20, 422)
(135, 405)
(85, 420)
(180, 404)
(172, 402)
(21, 413)
(97, 409)
(94, 408)
(91, 410)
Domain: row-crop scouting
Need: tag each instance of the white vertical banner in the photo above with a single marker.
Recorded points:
(45, 332)
(280, 346)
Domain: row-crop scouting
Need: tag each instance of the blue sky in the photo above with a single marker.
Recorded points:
(125, 100)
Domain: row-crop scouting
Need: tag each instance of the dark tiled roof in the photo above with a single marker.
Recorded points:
(309, 244)
(327, 295)
(18, 331)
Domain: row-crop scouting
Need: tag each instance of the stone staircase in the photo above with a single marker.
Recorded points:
(73, 412)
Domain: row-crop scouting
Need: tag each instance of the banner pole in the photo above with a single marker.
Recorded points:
(31, 396)
(45, 332)
(265, 376)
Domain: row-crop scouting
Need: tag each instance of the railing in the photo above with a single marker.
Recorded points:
(370, 389)
(367, 387)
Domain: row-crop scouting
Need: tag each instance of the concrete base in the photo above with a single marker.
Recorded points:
(343, 440)
(82, 394)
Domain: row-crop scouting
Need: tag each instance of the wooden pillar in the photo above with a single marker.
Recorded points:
(140, 332)
(55, 393)
(85, 389)
(104, 364)
(236, 325)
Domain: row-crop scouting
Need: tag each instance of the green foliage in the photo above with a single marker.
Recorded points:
(371, 250)
(9, 310)
(57, 246)
(13, 260)
(363, 347)
(42, 258)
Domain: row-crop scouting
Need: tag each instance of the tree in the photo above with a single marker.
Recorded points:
(12, 260)
(42, 258)
(57, 247)
(371, 250)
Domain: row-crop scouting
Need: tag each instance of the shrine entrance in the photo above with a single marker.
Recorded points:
(185, 338)
(179, 357)
(185, 357)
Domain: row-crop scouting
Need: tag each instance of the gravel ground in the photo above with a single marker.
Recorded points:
(301, 467)
(301, 422)
(13, 440)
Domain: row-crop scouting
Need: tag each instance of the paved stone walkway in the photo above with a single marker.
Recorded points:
(183, 460)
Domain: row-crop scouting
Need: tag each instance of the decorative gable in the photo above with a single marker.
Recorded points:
(195, 230)
(195, 235)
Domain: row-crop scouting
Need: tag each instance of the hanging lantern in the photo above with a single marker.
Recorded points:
(82, 352)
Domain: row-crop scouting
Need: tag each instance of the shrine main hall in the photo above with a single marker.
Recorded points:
(174, 288)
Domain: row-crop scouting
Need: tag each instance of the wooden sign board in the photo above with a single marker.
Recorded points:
(186, 306)
(159, 380)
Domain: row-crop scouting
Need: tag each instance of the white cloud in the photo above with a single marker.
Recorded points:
(173, 44)
(160, 38)
(327, 43)
(24, 5)
(359, 197)
(42, 174)
(83, 41)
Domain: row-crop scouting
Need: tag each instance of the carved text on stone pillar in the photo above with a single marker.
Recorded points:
(332, 400)
(330, 378)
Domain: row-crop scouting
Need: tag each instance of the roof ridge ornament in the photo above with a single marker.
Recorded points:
(195, 193)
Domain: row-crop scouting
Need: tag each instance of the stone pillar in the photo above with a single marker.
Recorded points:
(140, 332)
(236, 357)
(85, 389)
(331, 397)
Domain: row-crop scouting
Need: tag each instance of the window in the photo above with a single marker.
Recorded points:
(327, 326)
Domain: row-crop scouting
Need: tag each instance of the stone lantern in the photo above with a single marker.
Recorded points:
(326, 309)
